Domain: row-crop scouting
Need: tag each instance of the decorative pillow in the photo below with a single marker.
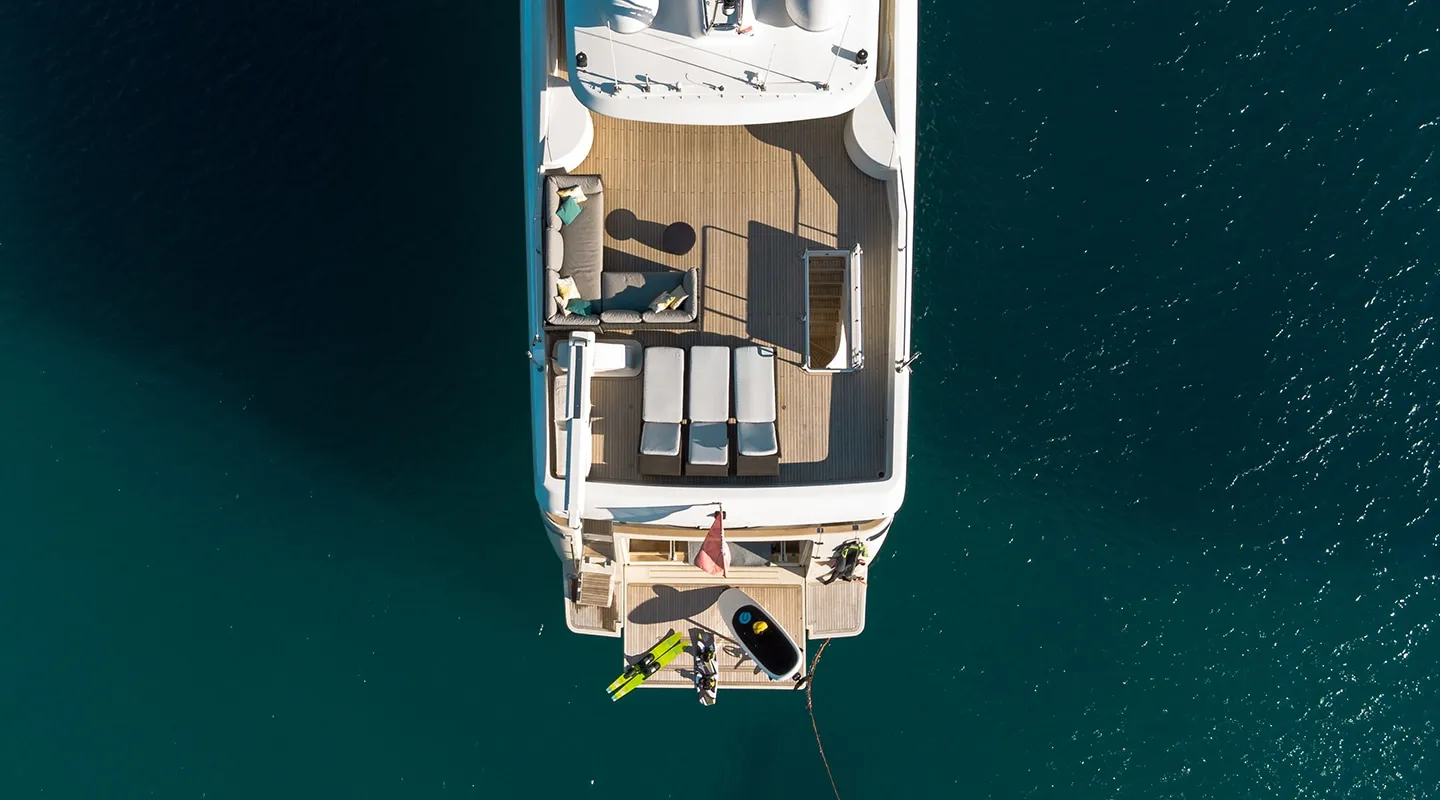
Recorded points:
(567, 290)
(573, 192)
(581, 307)
(662, 302)
(568, 211)
(678, 296)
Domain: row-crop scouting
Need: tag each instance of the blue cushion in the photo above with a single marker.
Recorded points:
(578, 306)
(568, 211)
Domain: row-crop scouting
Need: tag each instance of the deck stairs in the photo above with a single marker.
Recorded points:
(827, 307)
(832, 311)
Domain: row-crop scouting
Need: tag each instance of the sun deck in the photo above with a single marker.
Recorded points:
(757, 197)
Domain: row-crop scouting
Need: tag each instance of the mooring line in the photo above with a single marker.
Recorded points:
(810, 706)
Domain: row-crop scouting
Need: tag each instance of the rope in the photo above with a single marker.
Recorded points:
(810, 706)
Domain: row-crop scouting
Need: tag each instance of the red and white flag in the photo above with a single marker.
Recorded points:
(714, 555)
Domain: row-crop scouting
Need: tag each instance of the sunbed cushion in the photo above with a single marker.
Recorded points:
(756, 438)
(660, 439)
(754, 385)
(709, 443)
(709, 384)
(664, 390)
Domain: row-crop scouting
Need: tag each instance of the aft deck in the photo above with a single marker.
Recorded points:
(757, 197)
(652, 609)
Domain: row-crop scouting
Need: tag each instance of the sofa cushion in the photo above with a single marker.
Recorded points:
(620, 316)
(569, 320)
(552, 294)
(583, 248)
(554, 245)
(582, 262)
(589, 184)
(634, 291)
(670, 316)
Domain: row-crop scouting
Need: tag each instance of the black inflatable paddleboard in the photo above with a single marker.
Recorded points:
(760, 636)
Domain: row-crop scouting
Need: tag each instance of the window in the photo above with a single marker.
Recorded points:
(653, 550)
(787, 554)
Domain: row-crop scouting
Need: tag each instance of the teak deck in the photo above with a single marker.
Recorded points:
(836, 609)
(652, 610)
(758, 197)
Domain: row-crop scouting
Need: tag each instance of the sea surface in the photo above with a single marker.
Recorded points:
(266, 527)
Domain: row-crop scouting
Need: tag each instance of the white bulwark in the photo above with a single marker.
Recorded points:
(719, 201)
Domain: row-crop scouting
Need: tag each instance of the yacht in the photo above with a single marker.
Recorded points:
(720, 199)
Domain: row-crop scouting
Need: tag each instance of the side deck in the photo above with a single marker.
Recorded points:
(757, 197)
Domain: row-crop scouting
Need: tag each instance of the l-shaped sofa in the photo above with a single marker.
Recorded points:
(576, 250)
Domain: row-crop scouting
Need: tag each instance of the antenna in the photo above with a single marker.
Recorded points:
(614, 65)
(838, 47)
(768, 64)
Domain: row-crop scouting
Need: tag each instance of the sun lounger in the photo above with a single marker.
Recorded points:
(756, 443)
(709, 452)
(664, 392)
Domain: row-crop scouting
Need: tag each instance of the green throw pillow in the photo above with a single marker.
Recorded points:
(581, 307)
(569, 210)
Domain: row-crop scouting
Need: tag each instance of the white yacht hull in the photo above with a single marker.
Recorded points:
(611, 533)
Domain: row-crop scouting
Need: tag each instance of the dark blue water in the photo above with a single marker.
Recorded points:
(265, 523)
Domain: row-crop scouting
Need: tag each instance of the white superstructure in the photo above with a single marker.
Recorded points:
(735, 159)
(690, 64)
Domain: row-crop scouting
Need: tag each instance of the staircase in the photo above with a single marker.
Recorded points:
(827, 308)
(595, 584)
(595, 588)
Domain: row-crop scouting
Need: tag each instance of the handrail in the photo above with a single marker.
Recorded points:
(577, 426)
(907, 229)
(904, 203)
